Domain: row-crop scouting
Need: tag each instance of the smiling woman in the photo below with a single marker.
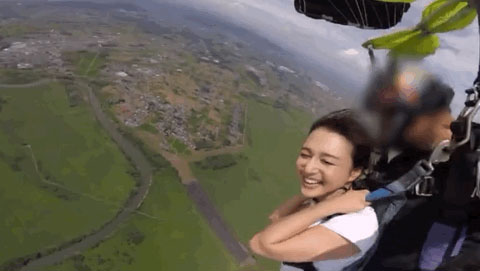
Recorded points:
(329, 225)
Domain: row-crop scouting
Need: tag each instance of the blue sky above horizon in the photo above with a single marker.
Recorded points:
(339, 47)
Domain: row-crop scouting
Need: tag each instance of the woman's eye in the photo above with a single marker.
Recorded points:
(304, 155)
(327, 162)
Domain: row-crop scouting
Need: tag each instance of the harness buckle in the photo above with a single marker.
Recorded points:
(425, 188)
(441, 153)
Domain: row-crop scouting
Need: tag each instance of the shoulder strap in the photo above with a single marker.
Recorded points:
(385, 209)
(407, 181)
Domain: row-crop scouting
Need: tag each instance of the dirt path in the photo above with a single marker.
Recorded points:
(182, 164)
(200, 155)
(208, 210)
(203, 202)
(206, 207)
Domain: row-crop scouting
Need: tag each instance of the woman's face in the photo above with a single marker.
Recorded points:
(325, 163)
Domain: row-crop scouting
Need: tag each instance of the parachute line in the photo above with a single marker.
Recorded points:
(378, 16)
(304, 6)
(351, 11)
(388, 16)
(477, 80)
(338, 10)
(360, 14)
(365, 11)
(395, 14)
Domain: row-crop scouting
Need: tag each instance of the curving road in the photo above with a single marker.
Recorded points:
(195, 192)
(28, 85)
(142, 165)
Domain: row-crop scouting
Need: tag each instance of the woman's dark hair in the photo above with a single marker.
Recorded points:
(344, 123)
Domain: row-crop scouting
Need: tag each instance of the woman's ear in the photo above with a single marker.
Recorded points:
(355, 173)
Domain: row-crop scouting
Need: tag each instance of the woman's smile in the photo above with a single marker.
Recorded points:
(311, 182)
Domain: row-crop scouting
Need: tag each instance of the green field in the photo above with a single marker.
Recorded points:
(16, 30)
(63, 177)
(86, 63)
(70, 149)
(14, 76)
(178, 239)
(246, 190)
(263, 175)
(178, 146)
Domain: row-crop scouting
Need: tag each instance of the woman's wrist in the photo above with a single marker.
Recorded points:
(325, 208)
(300, 198)
(292, 204)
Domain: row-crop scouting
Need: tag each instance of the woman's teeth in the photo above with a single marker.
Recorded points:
(311, 181)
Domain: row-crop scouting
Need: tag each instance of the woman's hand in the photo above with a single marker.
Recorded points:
(348, 202)
(275, 216)
(287, 207)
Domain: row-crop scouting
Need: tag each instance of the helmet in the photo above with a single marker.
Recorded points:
(396, 95)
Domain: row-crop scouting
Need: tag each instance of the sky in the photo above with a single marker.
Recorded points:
(339, 47)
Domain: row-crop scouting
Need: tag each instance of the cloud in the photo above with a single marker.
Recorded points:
(351, 52)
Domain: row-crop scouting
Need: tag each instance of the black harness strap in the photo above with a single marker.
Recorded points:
(305, 266)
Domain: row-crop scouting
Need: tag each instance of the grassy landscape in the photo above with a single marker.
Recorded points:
(262, 176)
(62, 176)
(13, 76)
(16, 30)
(245, 187)
(176, 238)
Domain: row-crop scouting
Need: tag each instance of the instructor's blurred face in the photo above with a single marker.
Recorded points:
(474, 3)
(426, 131)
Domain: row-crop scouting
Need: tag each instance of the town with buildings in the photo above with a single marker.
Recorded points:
(195, 99)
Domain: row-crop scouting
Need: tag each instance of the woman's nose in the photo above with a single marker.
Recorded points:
(312, 166)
